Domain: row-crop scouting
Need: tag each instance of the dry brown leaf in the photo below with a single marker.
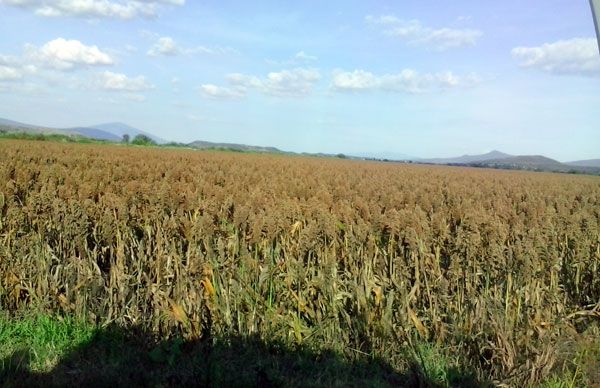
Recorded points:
(418, 324)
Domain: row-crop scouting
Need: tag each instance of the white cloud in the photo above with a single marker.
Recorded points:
(8, 60)
(167, 46)
(573, 56)
(9, 73)
(214, 91)
(414, 33)
(121, 9)
(300, 58)
(14, 69)
(304, 57)
(164, 46)
(286, 83)
(407, 81)
(63, 54)
(354, 81)
(120, 82)
(130, 48)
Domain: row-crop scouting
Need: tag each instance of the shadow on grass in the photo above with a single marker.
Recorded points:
(118, 357)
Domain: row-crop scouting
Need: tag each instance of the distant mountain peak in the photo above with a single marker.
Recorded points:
(109, 131)
(495, 154)
(120, 129)
(112, 124)
(585, 163)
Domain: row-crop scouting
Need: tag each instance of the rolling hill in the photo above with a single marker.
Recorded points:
(94, 133)
(109, 132)
(493, 155)
(120, 129)
(495, 159)
(532, 163)
(385, 155)
(231, 146)
(15, 126)
(501, 160)
(524, 162)
(585, 163)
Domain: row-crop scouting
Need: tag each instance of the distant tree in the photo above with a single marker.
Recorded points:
(125, 138)
(143, 140)
(341, 156)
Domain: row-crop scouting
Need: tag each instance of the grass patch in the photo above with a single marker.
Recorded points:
(57, 351)
(37, 343)
(53, 137)
(430, 365)
(579, 362)
(42, 350)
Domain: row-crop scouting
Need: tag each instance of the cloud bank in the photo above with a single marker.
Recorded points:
(297, 82)
(406, 81)
(63, 54)
(120, 82)
(577, 56)
(119, 9)
(414, 33)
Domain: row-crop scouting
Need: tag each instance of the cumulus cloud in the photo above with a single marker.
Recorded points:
(354, 81)
(120, 82)
(577, 56)
(302, 56)
(406, 81)
(63, 54)
(164, 46)
(14, 69)
(8, 60)
(414, 33)
(9, 73)
(286, 83)
(167, 46)
(214, 91)
(121, 9)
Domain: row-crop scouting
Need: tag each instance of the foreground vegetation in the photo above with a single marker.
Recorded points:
(54, 137)
(50, 351)
(373, 266)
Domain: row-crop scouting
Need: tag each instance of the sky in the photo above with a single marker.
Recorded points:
(422, 78)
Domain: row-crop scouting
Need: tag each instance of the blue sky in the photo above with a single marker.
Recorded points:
(423, 78)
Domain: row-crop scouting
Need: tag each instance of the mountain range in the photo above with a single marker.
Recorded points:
(108, 131)
(468, 158)
(585, 163)
(202, 145)
(115, 132)
(497, 159)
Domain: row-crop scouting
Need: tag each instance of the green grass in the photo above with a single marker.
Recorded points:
(41, 350)
(19, 135)
(40, 340)
(579, 362)
(566, 380)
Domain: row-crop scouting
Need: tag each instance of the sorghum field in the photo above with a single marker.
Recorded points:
(499, 269)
